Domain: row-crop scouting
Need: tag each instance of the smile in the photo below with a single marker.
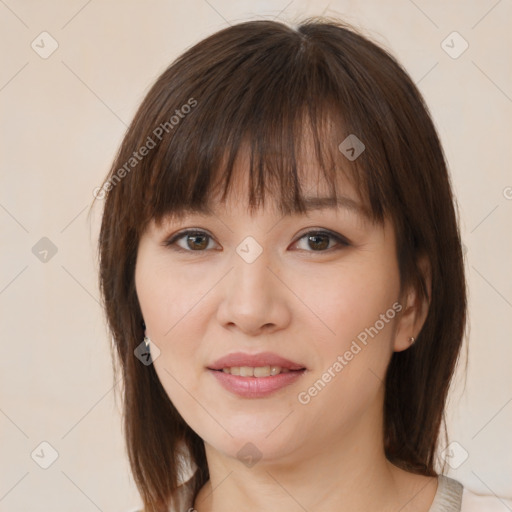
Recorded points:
(251, 386)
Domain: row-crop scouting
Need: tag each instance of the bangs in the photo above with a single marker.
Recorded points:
(285, 106)
(272, 159)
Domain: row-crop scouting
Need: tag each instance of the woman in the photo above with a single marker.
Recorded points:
(282, 273)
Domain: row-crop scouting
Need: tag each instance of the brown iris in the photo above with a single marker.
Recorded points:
(202, 244)
(319, 241)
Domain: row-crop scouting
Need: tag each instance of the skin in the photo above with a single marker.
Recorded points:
(306, 304)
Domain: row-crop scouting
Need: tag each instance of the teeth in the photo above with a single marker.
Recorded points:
(260, 371)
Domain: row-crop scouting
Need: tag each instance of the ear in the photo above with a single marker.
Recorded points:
(415, 310)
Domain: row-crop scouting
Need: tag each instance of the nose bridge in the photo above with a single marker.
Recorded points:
(252, 278)
(251, 298)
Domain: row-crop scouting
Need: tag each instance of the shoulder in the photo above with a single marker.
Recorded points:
(472, 502)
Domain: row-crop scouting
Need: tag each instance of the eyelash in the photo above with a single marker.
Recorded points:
(342, 242)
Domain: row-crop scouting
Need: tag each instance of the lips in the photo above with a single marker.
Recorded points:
(238, 359)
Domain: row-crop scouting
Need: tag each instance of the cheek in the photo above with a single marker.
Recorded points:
(173, 310)
(351, 299)
(354, 318)
(167, 297)
(353, 353)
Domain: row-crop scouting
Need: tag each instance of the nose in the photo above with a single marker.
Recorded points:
(254, 299)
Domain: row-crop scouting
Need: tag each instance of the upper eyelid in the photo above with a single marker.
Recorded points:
(187, 231)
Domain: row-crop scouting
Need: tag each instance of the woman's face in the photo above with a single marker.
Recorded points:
(274, 284)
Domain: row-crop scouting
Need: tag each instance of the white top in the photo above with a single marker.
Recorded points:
(451, 496)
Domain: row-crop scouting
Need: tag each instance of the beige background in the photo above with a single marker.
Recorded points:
(62, 119)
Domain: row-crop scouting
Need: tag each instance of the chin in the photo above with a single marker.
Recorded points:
(251, 446)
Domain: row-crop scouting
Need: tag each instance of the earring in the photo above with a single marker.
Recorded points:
(146, 339)
(411, 340)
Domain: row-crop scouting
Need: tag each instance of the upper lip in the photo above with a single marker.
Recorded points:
(237, 359)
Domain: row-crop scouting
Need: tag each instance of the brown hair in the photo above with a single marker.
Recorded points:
(261, 83)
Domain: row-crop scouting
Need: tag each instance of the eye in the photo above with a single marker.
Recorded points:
(319, 241)
(199, 241)
(194, 240)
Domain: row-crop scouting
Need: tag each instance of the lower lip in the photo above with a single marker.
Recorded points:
(255, 387)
